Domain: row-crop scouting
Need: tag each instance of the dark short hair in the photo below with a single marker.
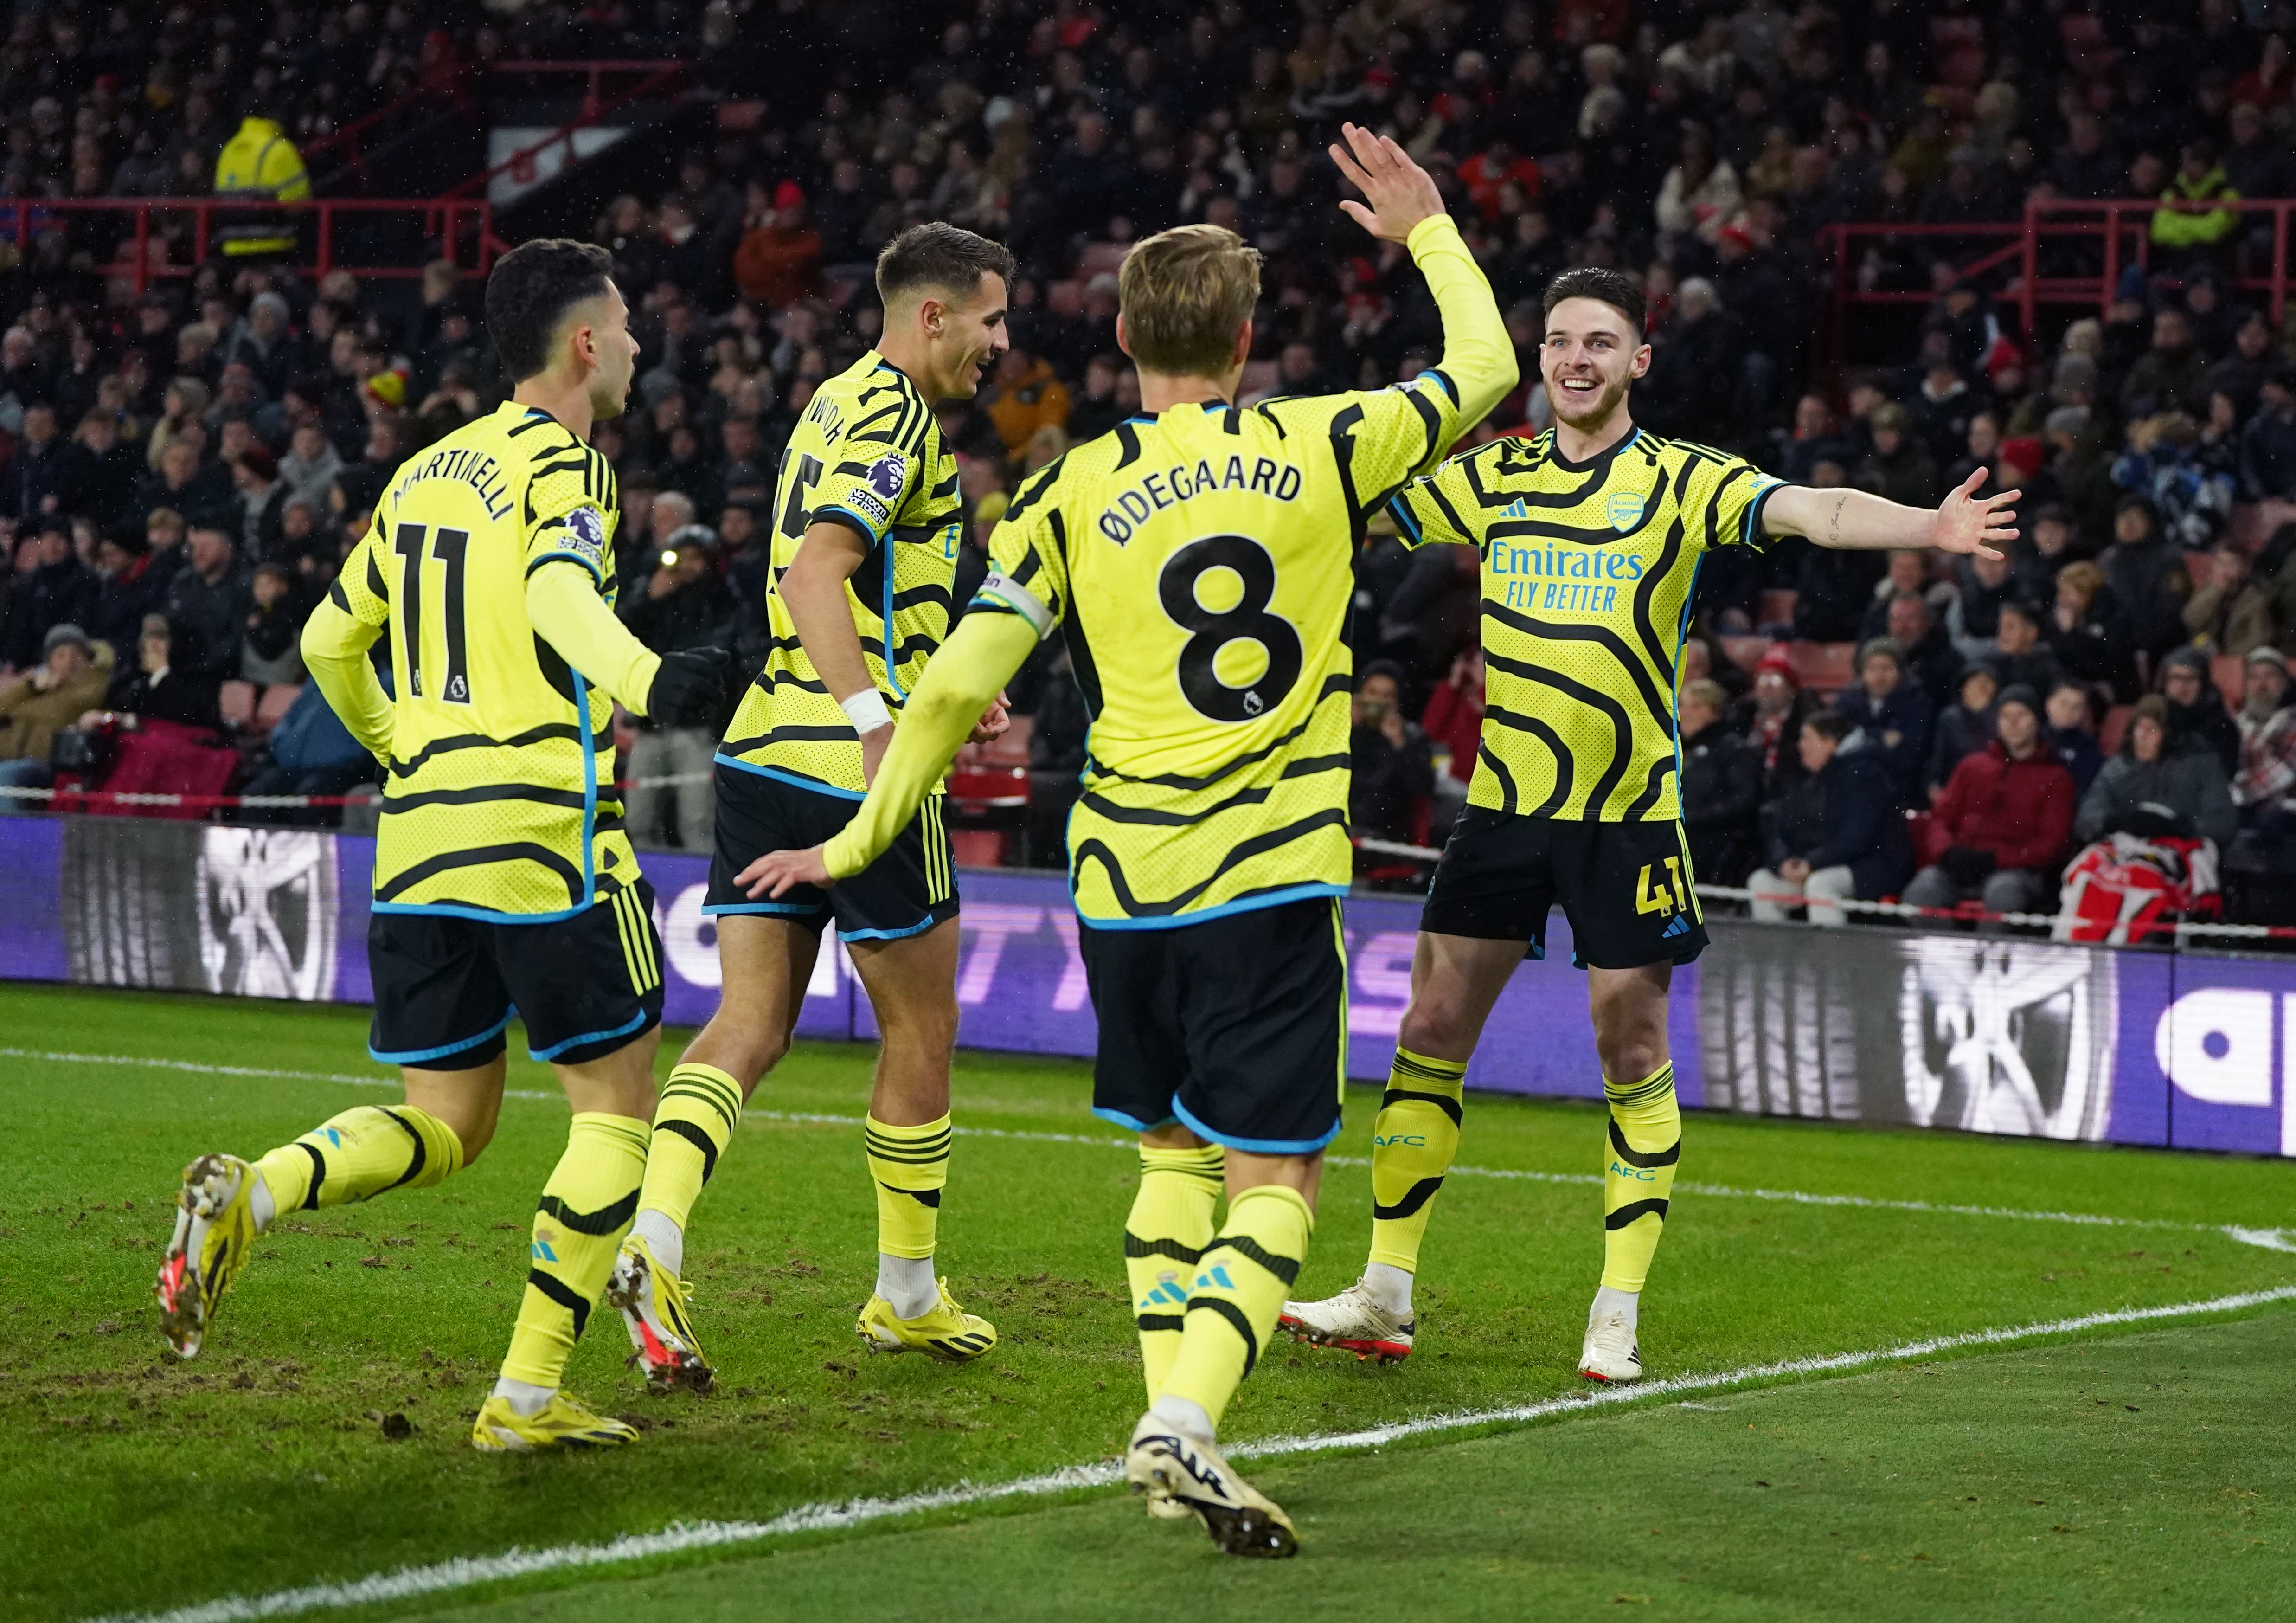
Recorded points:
(529, 293)
(1827, 724)
(936, 255)
(1595, 282)
(2024, 608)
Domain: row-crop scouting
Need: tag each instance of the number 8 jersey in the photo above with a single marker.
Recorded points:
(499, 797)
(1201, 563)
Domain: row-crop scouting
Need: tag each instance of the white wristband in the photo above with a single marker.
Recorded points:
(867, 711)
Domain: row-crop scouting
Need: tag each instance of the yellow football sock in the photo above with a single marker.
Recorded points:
(910, 1166)
(579, 1223)
(1238, 1293)
(1412, 1146)
(692, 1126)
(1645, 1144)
(1164, 1240)
(359, 1154)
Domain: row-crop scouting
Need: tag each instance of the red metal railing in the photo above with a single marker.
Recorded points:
(2121, 231)
(652, 79)
(455, 226)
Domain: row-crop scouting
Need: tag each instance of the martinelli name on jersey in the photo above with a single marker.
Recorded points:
(1588, 575)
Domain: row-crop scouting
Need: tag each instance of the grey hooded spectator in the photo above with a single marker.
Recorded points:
(2151, 788)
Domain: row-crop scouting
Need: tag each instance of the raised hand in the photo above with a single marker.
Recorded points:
(1399, 192)
(1963, 523)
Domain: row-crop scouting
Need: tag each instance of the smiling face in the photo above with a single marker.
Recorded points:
(1590, 359)
(964, 338)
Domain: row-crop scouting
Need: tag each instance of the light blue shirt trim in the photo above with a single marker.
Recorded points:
(1242, 905)
(812, 784)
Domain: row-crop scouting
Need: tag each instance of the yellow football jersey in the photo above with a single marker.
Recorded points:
(1202, 563)
(1588, 570)
(500, 799)
(866, 454)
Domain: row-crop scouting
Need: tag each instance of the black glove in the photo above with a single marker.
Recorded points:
(1967, 866)
(690, 688)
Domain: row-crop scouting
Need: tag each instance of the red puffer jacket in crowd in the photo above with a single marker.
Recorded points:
(2020, 811)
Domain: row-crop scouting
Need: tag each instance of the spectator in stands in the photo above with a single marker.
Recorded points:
(100, 474)
(2193, 220)
(1966, 726)
(270, 649)
(2006, 817)
(1024, 398)
(1056, 752)
(262, 501)
(1974, 616)
(2146, 572)
(58, 590)
(33, 486)
(2168, 376)
(70, 680)
(2267, 734)
(1770, 721)
(2149, 788)
(684, 604)
(312, 752)
(1841, 837)
(2022, 659)
(1931, 659)
(129, 591)
(155, 689)
(2267, 440)
(2196, 709)
(1899, 466)
(1721, 786)
(310, 468)
(1394, 769)
(1453, 722)
(1831, 588)
(2071, 731)
(208, 603)
(2232, 609)
(1889, 715)
(2050, 543)
(2088, 633)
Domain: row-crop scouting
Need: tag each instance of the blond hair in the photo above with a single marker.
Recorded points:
(1182, 294)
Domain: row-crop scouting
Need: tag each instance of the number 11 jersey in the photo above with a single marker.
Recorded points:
(1201, 563)
(499, 801)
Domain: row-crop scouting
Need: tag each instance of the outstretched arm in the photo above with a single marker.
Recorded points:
(963, 679)
(1403, 206)
(1858, 520)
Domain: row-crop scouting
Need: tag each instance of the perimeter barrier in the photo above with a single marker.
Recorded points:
(2187, 1049)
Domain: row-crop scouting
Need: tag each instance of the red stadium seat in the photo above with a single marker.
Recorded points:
(277, 699)
(2114, 728)
(1745, 652)
(1823, 666)
(978, 847)
(1777, 606)
(2226, 669)
(1101, 258)
(236, 700)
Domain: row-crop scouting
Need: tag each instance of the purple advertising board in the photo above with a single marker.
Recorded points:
(1991, 1034)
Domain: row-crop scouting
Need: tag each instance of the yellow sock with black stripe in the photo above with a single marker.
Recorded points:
(1645, 1132)
(700, 1105)
(578, 1223)
(1164, 1238)
(1237, 1294)
(1413, 1144)
(364, 1151)
(910, 1166)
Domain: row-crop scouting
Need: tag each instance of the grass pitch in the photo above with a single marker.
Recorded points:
(135, 1484)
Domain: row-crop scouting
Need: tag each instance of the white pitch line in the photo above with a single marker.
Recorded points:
(406, 1583)
(2274, 1240)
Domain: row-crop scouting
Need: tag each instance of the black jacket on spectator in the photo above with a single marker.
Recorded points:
(1721, 802)
(209, 619)
(2183, 793)
(1934, 664)
(2207, 723)
(53, 595)
(2099, 647)
(1959, 732)
(1389, 782)
(2077, 748)
(32, 476)
(2150, 578)
(1896, 731)
(1849, 816)
(121, 602)
(2268, 456)
(174, 695)
(1831, 591)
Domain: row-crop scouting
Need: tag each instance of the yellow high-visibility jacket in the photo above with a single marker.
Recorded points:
(259, 164)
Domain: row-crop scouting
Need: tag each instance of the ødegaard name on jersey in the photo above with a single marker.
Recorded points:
(1153, 492)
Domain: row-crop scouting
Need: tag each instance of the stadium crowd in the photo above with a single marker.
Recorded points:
(183, 472)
